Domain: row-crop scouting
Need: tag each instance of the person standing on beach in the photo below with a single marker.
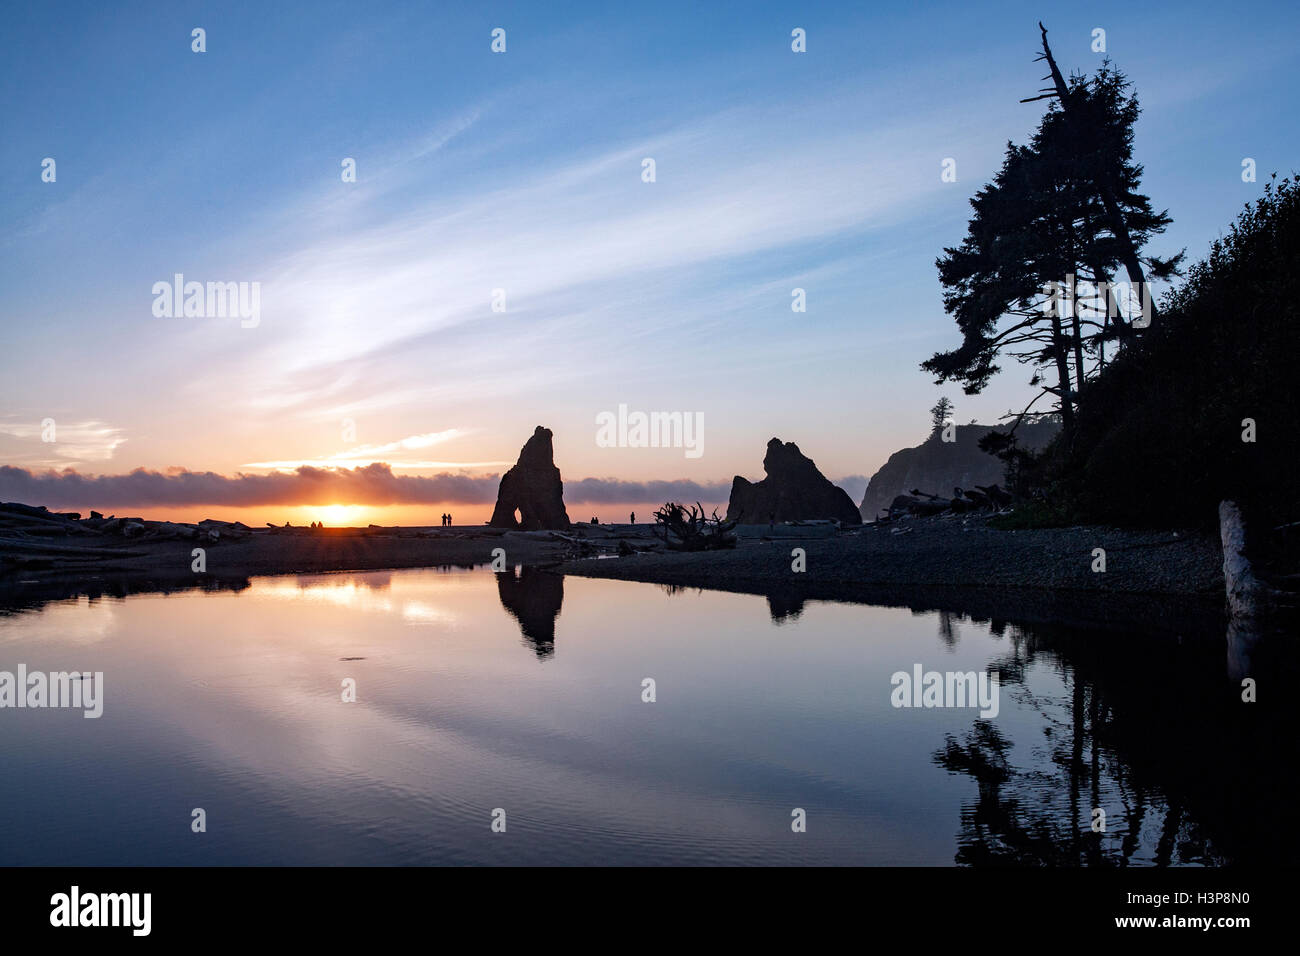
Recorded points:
(633, 517)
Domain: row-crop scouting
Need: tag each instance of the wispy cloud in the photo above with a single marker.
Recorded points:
(364, 455)
(362, 462)
(61, 443)
(570, 236)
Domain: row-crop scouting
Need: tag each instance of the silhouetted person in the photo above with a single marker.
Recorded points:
(633, 517)
(448, 519)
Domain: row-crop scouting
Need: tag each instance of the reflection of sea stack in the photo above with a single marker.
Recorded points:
(783, 606)
(533, 487)
(794, 490)
(534, 599)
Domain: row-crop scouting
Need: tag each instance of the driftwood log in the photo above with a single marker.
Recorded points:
(923, 504)
(1245, 593)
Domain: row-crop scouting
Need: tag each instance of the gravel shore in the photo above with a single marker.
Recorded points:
(1153, 579)
(946, 552)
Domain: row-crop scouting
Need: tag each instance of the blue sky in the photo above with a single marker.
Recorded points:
(522, 171)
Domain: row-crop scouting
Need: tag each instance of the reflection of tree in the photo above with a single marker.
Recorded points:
(533, 597)
(1034, 818)
(1115, 742)
(783, 605)
(947, 631)
(672, 590)
(998, 828)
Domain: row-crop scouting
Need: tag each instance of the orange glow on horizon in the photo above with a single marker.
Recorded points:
(360, 516)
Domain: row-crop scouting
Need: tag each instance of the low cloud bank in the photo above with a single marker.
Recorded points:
(598, 491)
(374, 485)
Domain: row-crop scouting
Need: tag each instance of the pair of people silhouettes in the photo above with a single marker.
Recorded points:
(446, 521)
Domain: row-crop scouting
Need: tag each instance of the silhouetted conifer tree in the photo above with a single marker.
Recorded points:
(1065, 205)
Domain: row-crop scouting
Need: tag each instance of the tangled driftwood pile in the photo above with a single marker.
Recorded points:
(683, 530)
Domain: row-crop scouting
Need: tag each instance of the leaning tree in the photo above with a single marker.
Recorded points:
(1065, 205)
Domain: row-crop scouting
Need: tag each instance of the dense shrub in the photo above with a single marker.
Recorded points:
(1158, 438)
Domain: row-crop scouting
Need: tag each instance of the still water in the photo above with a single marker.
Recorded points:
(523, 692)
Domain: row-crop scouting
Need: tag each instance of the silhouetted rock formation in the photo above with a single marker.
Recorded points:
(532, 486)
(938, 466)
(533, 598)
(794, 490)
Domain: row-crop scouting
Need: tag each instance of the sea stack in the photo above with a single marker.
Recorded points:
(938, 467)
(794, 490)
(532, 488)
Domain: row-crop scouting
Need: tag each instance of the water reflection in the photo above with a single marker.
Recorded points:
(20, 594)
(1154, 734)
(947, 630)
(233, 687)
(784, 607)
(533, 597)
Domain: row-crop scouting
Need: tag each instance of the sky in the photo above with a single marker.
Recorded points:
(516, 179)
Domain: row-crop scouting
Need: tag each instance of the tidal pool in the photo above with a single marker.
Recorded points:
(522, 698)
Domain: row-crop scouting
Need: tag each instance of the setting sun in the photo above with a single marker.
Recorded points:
(342, 516)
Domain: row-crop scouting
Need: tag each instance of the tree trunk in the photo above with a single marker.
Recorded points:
(1244, 590)
(1078, 353)
(1060, 352)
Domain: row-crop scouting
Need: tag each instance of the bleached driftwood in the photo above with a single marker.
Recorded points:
(1245, 593)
